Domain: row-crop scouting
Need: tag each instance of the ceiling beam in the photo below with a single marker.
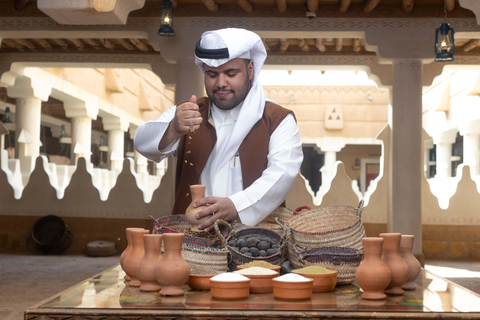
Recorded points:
(312, 5)
(211, 5)
(282, 6)
(245, 5)
(344, 4)
(407, 5)
(370, 5)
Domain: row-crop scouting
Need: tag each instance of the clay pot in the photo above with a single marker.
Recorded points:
(172, 271)
(414, 267)
(198, 192)
(145, 270)
(391, 257)
(127, 250)
(131, 261)
(373, 275)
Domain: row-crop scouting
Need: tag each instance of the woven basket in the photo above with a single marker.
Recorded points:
(270, 221)
(343, 260)
(239, 258)
(334, 226)
(202, 255)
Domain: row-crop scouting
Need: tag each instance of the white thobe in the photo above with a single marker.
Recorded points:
(264, 195)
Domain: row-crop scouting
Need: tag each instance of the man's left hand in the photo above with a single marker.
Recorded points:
(218, 208)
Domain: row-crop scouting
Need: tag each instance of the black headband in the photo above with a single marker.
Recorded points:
(211, 53)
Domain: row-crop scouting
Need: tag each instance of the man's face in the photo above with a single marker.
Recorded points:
(228, 85)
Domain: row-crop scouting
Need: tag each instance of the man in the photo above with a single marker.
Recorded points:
(247, 151)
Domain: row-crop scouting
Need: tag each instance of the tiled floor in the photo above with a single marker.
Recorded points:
(28, 279)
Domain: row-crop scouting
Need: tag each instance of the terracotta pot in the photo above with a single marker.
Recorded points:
(373, 275)
(131, 261)
(127, 250)
(292, 290)
(145, 270)
(391, 257)
(230, 290)
(172, 271)
(197, 192)
(414, 267)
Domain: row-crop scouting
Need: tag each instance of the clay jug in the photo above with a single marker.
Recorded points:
(197, 192)
(145, 270)
(373, 275)
(406, 248)
(131, 261)
(172, 271)
(127, 250)
(391, 257)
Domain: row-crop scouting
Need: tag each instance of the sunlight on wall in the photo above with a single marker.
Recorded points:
(315, 78)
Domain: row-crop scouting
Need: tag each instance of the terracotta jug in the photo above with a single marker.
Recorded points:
(131, 261)
(197, 192)
(373, 275)
(145, 270)
(406, 248)
(127, 250)
(391, 257)
(172, 272)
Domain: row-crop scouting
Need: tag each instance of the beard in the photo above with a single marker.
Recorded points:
(234, 99)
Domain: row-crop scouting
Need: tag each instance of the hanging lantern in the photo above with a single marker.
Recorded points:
(444, 43)
(166, 18)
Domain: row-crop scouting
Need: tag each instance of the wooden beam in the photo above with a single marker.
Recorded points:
(282, 6)
(59, 42)
(472, 44)
(127, 45)
(344, 4)
(284, 44)
(265, 44)
(91, 42)
(19, 5)
(14, 45)
(174, 3)
(302, 44)
(312, 5)
(449, 5)
(77, 43)
(338, 44)
(211, 5)
(26, 43)
(107, 43)
(407, 5)
(140, 46)
(320, 45)
(370, 5)
(245, 5)
(43, 43)
(357, 45)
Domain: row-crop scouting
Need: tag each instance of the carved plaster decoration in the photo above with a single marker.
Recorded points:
(113, 81)
(334, 117)
(144, 100)
(88, 12)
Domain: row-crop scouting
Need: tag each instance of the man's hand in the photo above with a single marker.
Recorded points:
(222, 208)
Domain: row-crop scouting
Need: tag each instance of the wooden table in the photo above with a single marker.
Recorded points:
(106, 297)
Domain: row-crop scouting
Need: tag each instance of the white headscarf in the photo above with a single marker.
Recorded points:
(240, 43)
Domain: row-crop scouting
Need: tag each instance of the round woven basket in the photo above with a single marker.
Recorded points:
(343, 260)
(270, 222)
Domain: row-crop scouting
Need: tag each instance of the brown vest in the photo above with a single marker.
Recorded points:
(195, 148)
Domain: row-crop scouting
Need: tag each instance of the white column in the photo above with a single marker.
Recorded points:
(81, 138)
(329, 165)
(27, 133)
(189, 80)
(329, 146)
(471, 152)
(116, 128)
(406, 119)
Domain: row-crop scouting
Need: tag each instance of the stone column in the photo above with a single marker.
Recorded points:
(116, 127)
(29, 96)
(82, 113)
(444, 142)
(329, 146)
(471, 146)
(406, 119)
(189, 80)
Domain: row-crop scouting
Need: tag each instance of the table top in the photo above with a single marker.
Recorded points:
(106, 294)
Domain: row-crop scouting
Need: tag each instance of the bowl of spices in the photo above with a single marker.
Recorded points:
(261, 278)
(323, 278)
(292, 286)
(259, 263)
(229, 286)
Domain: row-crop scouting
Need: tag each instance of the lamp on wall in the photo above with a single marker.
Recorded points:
(166, 18)
(444, 43)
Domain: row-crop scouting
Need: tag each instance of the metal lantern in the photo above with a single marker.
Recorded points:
(166, 26)
(444, 43)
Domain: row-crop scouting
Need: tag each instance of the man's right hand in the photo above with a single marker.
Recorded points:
(187, 119)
